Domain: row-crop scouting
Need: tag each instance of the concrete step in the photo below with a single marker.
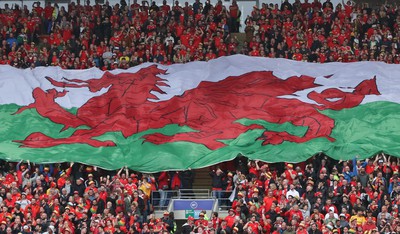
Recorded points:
(240, 36)
(202, 179)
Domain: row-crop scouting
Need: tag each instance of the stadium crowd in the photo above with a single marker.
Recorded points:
(121, 36)
(319, 196)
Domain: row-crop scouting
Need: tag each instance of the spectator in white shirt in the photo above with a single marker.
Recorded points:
(292, 192)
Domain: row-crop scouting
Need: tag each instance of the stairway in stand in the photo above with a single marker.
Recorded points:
(241, 38)
(202, 179)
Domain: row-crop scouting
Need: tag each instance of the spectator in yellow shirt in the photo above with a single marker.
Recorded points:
(124, 56)
(360, 217)
(145, 186)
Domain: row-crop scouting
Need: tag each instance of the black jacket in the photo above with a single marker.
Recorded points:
(187, 229)
(217, 180)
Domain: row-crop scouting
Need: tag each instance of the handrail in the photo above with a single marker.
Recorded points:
(194, 193)
(160, 199)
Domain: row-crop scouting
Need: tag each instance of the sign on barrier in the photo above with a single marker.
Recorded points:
(193, 204)
(183, 208)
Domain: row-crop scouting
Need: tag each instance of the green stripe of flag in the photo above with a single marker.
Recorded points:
(364, 130)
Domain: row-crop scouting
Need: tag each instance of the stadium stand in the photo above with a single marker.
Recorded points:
(120, 36)
(318, 196)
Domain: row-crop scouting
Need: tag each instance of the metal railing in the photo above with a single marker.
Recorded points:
(161, 199)
(194, 193)
(222, 196)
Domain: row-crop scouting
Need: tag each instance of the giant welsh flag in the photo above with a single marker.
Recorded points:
(154, 117)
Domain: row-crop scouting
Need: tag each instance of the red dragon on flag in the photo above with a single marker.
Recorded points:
(211, 109)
